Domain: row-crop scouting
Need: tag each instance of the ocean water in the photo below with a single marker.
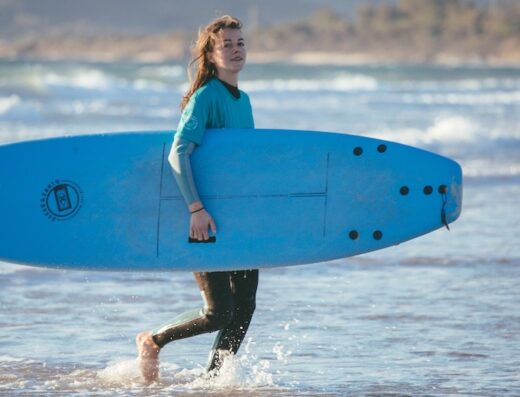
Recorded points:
(435, 316)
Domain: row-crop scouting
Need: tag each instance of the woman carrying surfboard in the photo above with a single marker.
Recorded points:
(213, 101)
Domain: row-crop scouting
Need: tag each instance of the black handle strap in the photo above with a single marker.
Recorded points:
(212, 239)
(443, 209)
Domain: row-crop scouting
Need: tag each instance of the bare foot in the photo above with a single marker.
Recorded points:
(148, 356)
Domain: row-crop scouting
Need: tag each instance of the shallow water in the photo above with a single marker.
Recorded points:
(353, 327)
(434, 316)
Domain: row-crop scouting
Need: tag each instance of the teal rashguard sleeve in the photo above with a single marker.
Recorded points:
(195, 117)
(179, 159)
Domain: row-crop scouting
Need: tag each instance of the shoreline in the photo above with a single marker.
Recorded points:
(316, 58)
(304, 58)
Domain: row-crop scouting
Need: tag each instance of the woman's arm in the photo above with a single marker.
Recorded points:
(180, 162)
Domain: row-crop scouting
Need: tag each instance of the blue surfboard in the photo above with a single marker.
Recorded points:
(279, 198)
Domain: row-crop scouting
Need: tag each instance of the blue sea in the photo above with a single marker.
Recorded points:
(435, 316)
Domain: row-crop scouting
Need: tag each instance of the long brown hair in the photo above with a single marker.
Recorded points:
(205, 43)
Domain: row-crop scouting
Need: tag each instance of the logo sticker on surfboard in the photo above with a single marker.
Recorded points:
(61, 200)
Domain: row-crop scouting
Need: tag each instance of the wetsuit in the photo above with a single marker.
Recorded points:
(229, 297)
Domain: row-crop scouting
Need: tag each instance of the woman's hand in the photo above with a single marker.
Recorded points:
(199, 224)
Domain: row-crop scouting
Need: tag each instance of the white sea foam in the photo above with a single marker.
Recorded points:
(466, 141)
(485, 168)
(99, 107)
(94, 79)
(89, 79)
(341, 83)
(242, 372)
(281, 352)
(161, 71)
(463, 98)
(150, 85)
(467, 85)
(453, 129)
(484, 84)
(121, 373)
(447, 130)
(237, 372)
(7, 103)
(28, 78)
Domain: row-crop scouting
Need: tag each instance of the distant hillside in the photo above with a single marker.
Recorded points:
(344, 31)
(122, 17)
(408, 30)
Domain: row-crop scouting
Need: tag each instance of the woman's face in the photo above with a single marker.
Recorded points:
(229, 52)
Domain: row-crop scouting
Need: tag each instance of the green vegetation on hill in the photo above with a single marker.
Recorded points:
(413, 30)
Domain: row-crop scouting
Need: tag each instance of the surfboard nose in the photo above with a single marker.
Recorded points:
(452, 195)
